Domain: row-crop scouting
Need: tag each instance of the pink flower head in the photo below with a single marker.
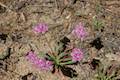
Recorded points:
(43, 64)
(49, 65)
(79, 31)
(76, 54)
(31, 56)
(41, 28)
(39, 63)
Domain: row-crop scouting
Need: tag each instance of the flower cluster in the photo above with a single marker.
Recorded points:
(79, 31)
(60, 59)
(76, 54)
(41, 28)
(40, 63)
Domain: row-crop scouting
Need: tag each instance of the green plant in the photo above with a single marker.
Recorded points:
(98, 24)
(98, 8)
(59, 57)
(62, 57)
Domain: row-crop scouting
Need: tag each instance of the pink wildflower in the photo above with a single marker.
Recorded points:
(76, 54)
(79, 31)
(39, 63)
(48, 65)
(41, 28)
(44, 64)
(31, 56)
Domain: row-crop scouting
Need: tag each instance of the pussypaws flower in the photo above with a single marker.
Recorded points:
(41, 28)
(38, 62)
(43, 64)
(79, 31)
(76, 54)
(31, 56)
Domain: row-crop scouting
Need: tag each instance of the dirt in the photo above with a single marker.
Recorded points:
(18, 17)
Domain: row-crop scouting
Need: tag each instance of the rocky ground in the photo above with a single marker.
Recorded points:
(18, 17)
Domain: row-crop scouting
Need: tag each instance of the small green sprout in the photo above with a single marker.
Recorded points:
(98, 24)
(98, 8)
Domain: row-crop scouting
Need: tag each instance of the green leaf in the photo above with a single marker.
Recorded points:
(65, 59)
(67, 63)
(52, 57)
(62, 55)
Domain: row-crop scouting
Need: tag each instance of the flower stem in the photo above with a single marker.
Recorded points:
(51, 50)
